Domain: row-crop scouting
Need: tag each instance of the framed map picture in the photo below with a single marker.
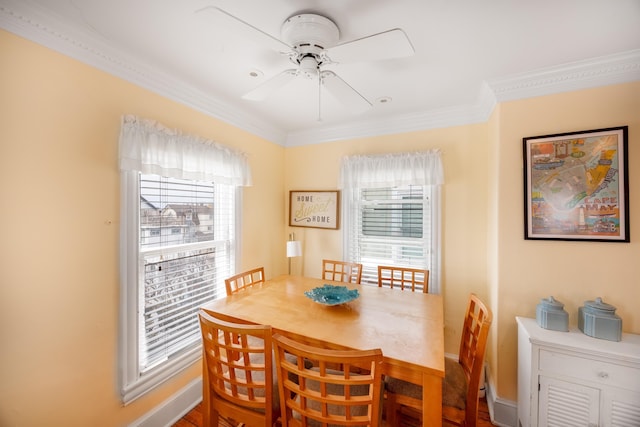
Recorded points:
(576, 186)
(318, 209)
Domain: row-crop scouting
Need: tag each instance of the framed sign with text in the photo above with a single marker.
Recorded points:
(316, 209)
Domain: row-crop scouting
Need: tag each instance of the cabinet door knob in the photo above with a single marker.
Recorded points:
(603, 375)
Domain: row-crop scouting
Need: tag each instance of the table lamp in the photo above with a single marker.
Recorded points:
(294, 248)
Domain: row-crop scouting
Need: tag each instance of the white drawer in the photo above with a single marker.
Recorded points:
(593, 370)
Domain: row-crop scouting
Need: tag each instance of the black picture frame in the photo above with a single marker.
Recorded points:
(576, 186)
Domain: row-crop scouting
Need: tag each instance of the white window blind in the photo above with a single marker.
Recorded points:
(185, 257)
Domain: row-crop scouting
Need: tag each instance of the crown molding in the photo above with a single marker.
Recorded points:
(33, 23)
(623, 67)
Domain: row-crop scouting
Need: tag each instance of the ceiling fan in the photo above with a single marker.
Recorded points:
(311, 42)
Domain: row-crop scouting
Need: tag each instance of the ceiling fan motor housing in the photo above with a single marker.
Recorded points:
(310, 33)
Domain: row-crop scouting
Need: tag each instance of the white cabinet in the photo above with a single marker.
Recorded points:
(568, 379)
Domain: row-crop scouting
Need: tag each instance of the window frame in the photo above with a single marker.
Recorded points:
(134, 383)
(351, 209)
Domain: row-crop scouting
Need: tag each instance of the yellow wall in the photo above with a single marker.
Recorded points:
(59, 192)
(59, 196)
(570, 271)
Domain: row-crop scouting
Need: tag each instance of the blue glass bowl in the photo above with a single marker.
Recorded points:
(332, 295)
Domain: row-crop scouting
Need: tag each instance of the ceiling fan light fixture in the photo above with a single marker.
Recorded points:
(309, 66)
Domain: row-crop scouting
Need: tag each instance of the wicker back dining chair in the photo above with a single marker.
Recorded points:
(461, 385)
(404, 278)
(322, 396)
(342, 271)
(244, 280)
(238, 377)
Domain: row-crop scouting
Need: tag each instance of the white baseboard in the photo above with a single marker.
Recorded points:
(174, 408)
(504, 413)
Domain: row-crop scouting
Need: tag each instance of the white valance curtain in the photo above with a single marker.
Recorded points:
(396, 169)
(151, 148)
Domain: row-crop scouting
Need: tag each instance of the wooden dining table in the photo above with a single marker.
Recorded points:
(407, 326)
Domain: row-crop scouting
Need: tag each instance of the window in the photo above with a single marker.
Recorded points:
(397, 223)
(178, 243)
(392, 226)
(185, 265)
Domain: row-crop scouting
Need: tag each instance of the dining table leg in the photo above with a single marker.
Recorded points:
(431, 400)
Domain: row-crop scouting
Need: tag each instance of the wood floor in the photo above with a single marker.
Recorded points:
(194, 418)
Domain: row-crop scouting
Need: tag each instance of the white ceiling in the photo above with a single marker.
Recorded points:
(468, 55)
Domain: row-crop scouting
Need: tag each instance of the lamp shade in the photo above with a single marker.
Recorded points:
(294, 248)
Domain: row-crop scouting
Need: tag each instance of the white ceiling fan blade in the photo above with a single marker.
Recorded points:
(247, 30)
(344, 93)
(386, 45)
(271, 85)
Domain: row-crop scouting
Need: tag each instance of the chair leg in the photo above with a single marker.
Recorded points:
(211, 418)
(391, 410)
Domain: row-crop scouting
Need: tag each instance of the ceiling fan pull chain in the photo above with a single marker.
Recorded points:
(319, 95)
